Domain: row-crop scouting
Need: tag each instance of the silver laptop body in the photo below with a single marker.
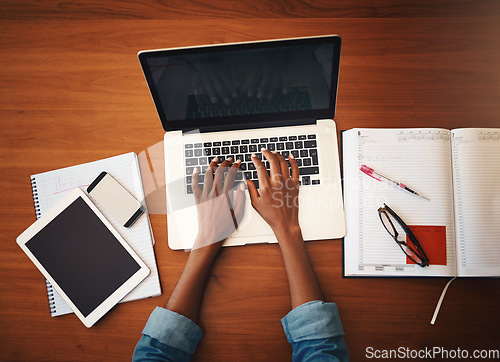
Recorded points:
(230, 100)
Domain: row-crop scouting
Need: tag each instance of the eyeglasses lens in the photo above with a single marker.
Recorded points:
(386, 221)
(416, 258)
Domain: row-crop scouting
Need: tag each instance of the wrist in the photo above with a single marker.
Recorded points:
(288, 232)
(289, 235)
(205, 252)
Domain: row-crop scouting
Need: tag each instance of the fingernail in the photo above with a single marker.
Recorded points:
(274, 152)
(242, 186)
(254, 155)
(238, 161)
(230, 159)
(263, 149)
(291, 156)
(215, 159)
(196, 170)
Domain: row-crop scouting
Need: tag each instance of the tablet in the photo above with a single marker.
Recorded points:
(83, 256)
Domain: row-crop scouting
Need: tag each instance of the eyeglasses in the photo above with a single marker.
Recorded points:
(412, 249)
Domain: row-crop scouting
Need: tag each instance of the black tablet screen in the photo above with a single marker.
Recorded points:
(83, 256)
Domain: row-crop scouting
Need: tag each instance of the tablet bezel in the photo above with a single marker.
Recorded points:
(119, 293)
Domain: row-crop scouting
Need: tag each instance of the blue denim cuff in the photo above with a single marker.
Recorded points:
(312, 320)
(173, 329)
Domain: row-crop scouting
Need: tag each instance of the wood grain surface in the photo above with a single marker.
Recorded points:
(71, 91)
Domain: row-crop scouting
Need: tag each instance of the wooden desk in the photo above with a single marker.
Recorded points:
(72, 92)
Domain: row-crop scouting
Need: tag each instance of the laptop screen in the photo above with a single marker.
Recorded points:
(244, 84)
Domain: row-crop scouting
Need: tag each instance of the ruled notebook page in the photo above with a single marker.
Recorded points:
(476, 160)
(51, 186)
(419, 158)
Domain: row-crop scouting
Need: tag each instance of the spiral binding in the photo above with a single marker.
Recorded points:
(50, 293)
(50, 289)
(35, 198)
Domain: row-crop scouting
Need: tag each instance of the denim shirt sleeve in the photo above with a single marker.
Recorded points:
(167, 336)
(315, 332)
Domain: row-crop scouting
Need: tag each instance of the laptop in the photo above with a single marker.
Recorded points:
(231, 100)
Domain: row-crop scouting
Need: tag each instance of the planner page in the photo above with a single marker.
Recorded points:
(476, 160)
(419, 158)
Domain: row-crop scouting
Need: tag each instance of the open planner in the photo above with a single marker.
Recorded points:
(50, 187)
(458, 227)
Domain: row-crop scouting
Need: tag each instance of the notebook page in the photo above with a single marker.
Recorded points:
(53, 185)
(476, 175)
(419, 158)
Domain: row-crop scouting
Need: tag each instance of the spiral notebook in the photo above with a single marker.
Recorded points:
(49, 187)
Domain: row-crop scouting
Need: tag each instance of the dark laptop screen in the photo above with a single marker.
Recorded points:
(245, 83)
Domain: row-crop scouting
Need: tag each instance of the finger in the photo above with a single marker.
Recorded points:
(209, 176)
(261, 171)
(219, 176)
(294, 186)
(285, 170)
(274, 165)
(295, 170)
(231, 174)
(252, 191)
(239, 204)
(195, 185)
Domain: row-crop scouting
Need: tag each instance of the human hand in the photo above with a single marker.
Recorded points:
(277, 198)
(219, 211)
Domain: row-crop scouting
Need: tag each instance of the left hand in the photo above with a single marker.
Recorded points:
(219, 211)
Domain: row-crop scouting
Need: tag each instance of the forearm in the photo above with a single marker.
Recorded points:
(172, 333)
(188, 293)
(276, 202)
(301, 278)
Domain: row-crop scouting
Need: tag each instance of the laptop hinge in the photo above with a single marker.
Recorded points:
(253, 125)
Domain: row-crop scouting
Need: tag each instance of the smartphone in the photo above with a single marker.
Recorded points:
(115, 199)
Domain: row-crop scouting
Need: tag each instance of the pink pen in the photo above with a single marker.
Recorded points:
(378, 176)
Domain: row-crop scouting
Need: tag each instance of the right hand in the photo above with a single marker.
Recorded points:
(278, 197)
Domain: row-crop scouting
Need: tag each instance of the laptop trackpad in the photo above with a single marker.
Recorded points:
(252, 225)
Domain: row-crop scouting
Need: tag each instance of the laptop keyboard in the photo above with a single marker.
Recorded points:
(303, 147)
